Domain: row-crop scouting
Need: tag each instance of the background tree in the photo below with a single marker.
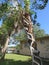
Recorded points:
(18, 47)
(38, 32)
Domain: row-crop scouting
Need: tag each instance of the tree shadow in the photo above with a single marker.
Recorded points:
(45, 62)
(12, 62)
(19, 62)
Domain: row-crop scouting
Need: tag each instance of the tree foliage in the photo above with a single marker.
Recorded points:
(2, 36)
(10, 14)
(38, 32)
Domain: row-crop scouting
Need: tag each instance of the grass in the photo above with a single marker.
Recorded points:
(15, 59)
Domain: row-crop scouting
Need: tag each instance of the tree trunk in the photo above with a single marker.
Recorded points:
(31, 33)
(2, 58)
(3, 51)
(6, 44)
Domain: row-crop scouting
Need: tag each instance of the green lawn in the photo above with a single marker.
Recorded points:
(15, 59)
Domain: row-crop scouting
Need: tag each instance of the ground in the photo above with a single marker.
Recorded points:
(15, 59)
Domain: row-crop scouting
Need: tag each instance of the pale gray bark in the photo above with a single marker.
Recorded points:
(6, 45)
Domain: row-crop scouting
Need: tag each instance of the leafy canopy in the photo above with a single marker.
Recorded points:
(10, 11)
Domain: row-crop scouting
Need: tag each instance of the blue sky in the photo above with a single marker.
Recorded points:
(43, 18)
